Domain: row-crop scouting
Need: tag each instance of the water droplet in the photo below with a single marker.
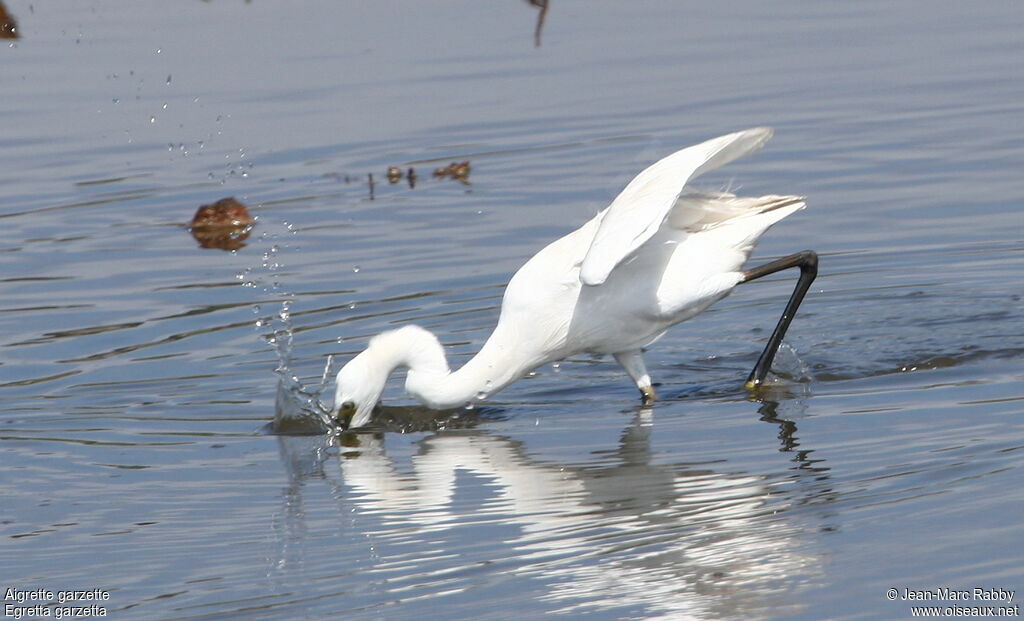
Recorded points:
(152, 119)
(556, 365)
(165, 105)
(116, 100)
(356, 268)
(168, 79)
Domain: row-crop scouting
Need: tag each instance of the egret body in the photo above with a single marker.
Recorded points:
(658, 255)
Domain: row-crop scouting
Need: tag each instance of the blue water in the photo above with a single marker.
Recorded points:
(137, 370)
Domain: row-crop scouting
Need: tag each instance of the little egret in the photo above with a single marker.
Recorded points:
(658, 255)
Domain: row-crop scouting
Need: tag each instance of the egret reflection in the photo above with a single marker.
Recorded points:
(698, 539)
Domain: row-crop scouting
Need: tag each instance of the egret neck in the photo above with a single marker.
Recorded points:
(429, 379)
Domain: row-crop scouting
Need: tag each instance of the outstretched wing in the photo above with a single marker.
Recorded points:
(638, 211)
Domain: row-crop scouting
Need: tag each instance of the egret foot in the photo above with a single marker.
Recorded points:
(647, 395)
(756, 386)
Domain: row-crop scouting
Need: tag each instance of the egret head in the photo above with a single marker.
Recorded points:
(357, 390)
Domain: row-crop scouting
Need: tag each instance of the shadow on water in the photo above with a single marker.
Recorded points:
(386, 419)
(625, 530)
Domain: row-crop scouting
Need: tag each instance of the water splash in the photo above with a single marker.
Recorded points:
(298, 408)
(790, 365)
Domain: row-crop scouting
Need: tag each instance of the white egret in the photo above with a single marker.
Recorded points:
(658, 255)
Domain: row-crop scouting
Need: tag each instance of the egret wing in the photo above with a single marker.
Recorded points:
(639, 210)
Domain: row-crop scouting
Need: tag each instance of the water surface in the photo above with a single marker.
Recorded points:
(137, 374)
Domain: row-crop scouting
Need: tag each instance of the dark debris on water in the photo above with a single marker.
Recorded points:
(456, 171)
(224, 225)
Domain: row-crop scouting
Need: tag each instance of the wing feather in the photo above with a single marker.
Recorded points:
(638, 211)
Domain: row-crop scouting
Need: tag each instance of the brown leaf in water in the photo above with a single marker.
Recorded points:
(8, 27)
(224, 225)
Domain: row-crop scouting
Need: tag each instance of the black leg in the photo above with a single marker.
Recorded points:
(807, 261)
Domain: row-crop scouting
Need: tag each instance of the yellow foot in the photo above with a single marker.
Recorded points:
(647, 395)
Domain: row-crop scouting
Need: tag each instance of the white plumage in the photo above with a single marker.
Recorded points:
(658, 255)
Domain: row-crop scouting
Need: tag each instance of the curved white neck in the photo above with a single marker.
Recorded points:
(429, 378)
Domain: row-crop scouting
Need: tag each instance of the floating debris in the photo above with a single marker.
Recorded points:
(458, 171)
(227, 212)
(224, 225)
(395, 175)
(8, 27)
